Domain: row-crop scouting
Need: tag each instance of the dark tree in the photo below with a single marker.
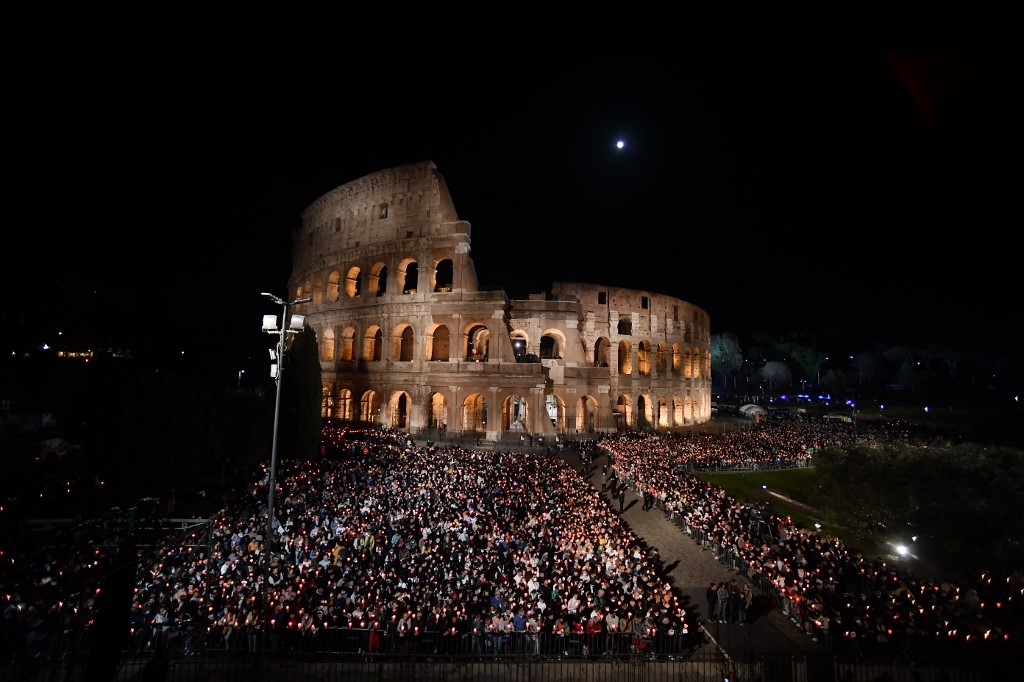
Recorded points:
(301, 395)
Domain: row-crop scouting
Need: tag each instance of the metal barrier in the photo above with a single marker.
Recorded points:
(201, 654)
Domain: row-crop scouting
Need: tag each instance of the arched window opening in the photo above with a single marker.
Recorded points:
(378, 279)
(327, 346)
(478, 343)
(343, 405)
(438, 412)
(625, 358)
(514, 415)
(333, 286)
(405, 345)
(474, 413)
(326, 402)
(408, 275)
(444, 275)
(643, 359)
(353, 282)
(369, 407)
(347, 349)
(399, 417)
(602, 352)
(439, 344)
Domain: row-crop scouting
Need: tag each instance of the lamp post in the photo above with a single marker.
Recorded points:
(288, 326)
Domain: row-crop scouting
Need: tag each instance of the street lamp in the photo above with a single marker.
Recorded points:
(289, 326)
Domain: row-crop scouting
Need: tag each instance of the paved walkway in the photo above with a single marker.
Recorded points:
(691, 568)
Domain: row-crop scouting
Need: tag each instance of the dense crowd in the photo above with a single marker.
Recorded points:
(862, 605)
(385, 535)
(403, 539)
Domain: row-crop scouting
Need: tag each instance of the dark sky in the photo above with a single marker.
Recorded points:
(867, 184)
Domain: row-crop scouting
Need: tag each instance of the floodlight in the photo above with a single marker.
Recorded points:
(270, 323)
(296, 323)
(273, 371)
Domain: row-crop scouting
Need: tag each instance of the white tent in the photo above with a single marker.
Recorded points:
(753, 411)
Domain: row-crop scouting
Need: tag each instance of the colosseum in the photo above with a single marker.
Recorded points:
(408, 339)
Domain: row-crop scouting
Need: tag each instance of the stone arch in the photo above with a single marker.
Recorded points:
(678, 412)
(404, 343)
(369, 407)
(326, 402)
(318, 289)
(586, 414)
(602, 352)
(677, 358)
(555, 408)
(688, 409)
(625, 357)
(552, 344)
(687, 364)
(333, 286)
(373, 344)
(378, 279)
(477, 342)
(353, 281)
(624, 407)
(643, 358)
(346, 349)
(343, 407)
(515, 413)
(661, 362)
(399, 408)
(443, 275)
(663, 417)
(644, 412)
(437, 403)
(327, 346)
(408, 274)
(474, 413)
(520, 344)
(437, 343)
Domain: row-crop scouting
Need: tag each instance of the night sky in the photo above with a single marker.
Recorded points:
(866, 187)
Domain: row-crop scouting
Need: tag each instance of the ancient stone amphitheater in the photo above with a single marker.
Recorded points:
(408, 339)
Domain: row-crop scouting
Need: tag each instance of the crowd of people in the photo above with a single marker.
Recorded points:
(384, 535)
(864, 606)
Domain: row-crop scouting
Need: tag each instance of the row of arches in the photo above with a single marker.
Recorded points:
(374, 280)
(472, 414)
(475, 346)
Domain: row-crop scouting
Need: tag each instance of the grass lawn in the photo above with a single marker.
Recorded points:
(799, 486)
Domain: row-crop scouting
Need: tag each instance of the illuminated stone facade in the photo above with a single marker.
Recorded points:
(407, 338)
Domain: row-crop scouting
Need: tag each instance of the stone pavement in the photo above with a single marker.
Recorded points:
(691, 568)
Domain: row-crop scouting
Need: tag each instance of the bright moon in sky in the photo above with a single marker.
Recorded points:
(620, 144)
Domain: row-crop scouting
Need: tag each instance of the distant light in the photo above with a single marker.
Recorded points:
(817, 525)
(620, 144)
(914, 538)
(925, 408)
(764, 487)
(46, 346)
(902, 550)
